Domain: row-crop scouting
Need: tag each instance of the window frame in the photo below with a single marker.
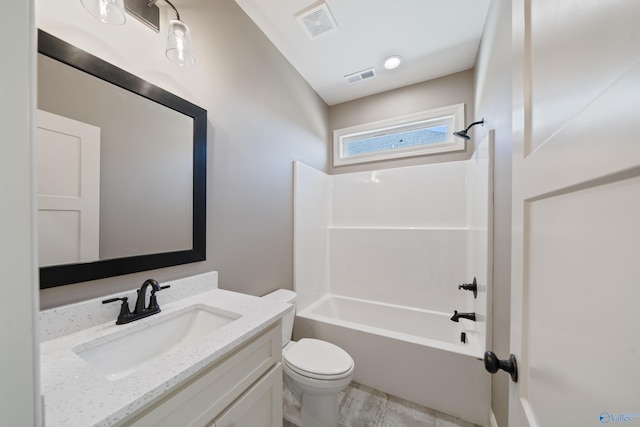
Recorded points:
(453, 114)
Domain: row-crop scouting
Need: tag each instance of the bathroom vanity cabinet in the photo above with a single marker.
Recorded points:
(242, 389)
(222, 368)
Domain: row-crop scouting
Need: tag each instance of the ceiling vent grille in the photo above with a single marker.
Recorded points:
(317, 20)
(369, 73)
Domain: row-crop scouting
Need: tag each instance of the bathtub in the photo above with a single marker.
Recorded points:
(412, 353)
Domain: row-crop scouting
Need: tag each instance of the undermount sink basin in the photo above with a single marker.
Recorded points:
(123, 355)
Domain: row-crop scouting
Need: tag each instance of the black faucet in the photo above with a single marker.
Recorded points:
(140, 310)
(142, 292)
(456, 316)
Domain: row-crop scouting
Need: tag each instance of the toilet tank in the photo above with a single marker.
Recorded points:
(285, 295)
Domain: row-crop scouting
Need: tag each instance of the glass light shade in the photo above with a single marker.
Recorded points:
(108, 11)
(179, 44)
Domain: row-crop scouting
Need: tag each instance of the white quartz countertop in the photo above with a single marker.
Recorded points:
(75, 394)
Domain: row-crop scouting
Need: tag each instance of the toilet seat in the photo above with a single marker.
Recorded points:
(318, 359)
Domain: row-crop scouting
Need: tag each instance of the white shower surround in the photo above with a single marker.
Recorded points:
(395, 244)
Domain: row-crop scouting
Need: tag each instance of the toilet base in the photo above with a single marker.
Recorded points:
(291, 399)
(309, 409)
(319, 410)
(291, 413)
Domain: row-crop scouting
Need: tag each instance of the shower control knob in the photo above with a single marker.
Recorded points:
(470, 287)
(493, 365)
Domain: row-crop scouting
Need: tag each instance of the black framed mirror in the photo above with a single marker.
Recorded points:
(189, 176)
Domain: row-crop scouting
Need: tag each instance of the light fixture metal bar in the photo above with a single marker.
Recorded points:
(144, 11)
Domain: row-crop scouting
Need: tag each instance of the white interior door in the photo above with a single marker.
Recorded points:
(68, 190)
(576, 209)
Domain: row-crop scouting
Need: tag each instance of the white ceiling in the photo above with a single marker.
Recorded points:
(434, 37)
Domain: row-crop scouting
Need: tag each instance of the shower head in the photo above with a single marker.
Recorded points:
(463, 133)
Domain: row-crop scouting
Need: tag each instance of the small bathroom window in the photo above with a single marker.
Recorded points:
(416, 134)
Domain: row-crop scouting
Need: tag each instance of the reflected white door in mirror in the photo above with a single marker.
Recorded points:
(68, 190)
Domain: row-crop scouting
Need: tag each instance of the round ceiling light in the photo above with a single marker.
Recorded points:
(392, 62)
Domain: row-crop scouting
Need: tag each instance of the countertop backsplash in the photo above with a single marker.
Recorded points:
(67, 319)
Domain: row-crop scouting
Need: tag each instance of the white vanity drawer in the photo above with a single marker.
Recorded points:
(260, 406)
(201, 399)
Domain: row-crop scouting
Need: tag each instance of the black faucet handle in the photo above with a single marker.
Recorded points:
(153, 291)
(153, 302)
(124, 309)
(107, 301)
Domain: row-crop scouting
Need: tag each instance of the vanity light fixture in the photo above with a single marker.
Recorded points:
(392, 62)
(108, 11)
(463, 133)
(179, 45)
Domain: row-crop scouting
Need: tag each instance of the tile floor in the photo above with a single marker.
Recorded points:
(362, 406)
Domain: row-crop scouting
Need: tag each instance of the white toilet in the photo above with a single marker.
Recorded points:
(315, 372)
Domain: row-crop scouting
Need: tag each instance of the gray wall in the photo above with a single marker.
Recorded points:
(262, 116)
(493, 102)
(453, 89)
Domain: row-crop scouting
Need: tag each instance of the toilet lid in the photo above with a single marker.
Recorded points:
(318, 358)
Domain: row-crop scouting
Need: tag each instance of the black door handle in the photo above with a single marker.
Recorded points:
(493, 364)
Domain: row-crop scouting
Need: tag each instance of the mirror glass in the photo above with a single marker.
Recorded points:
(121, 167)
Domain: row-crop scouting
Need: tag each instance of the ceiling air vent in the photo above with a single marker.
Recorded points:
(316, 20)
(361, 75)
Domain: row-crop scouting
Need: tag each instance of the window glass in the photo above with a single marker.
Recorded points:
(393, 141)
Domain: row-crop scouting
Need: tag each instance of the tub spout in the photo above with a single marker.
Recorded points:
(457, 316)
